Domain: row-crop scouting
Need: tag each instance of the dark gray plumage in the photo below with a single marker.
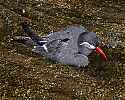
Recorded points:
(63, 46)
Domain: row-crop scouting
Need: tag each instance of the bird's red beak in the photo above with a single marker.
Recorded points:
(101, 53)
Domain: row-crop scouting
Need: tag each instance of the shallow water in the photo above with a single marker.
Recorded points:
(25, 75)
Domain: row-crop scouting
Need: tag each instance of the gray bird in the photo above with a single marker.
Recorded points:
(70, 45)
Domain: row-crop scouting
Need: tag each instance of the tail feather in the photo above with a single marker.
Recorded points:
(24, 40)
(35, 37)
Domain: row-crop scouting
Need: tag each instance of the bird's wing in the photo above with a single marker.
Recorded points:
(71, 33)
(68, 57)
(68, 32)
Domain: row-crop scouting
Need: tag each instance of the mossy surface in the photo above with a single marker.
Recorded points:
(25, 75)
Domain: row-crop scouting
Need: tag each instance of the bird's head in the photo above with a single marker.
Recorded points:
(98, 50)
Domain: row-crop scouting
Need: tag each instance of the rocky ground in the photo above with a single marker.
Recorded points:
(25, 75)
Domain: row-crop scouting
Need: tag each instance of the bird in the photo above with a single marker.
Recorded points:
(69, 46)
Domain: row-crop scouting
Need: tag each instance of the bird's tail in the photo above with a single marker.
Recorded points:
(24, 40)
(28, 30)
